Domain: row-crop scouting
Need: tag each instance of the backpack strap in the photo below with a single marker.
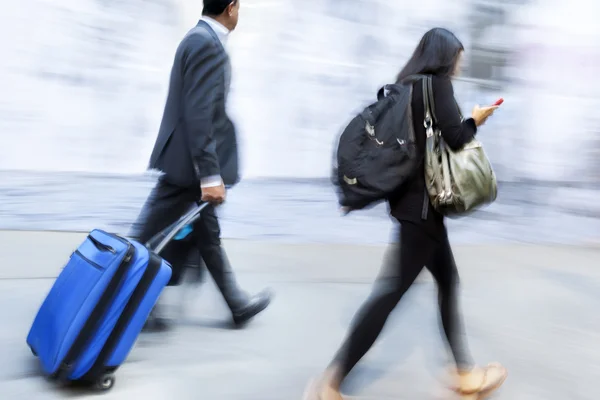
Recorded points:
(428, 104)
(413, 78)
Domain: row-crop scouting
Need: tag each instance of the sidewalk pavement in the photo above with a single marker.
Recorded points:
(534, 308)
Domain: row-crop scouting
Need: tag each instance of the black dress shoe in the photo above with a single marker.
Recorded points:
(255, 305)
(156, 325)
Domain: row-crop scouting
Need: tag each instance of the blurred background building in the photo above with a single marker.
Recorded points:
(84, 81)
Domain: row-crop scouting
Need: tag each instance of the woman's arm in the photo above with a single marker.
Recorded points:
(456, 133)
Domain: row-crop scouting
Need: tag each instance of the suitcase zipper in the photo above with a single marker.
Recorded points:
(102, 247)
(92, 263)
(99, 367)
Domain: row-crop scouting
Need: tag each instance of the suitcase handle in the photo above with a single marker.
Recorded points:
(99, 245)
(167, 234)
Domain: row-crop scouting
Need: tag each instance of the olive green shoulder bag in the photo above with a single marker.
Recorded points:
(460, 181)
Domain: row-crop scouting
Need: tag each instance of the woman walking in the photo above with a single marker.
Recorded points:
(423, 236)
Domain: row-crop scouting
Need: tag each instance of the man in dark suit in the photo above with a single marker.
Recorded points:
(196, 150)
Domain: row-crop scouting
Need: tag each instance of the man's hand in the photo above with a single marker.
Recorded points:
(214, 195)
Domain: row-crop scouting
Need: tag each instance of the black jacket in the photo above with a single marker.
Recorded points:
(410, 202)
(196, 137)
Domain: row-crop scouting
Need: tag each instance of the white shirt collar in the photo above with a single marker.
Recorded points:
(220, 29)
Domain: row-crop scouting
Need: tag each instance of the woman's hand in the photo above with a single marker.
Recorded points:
(481, 114)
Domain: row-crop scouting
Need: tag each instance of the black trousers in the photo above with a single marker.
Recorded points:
(165, 205)
(420, 246)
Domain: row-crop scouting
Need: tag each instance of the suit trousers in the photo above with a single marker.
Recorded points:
(165, 205)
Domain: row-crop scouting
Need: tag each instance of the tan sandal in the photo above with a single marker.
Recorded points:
(495, 377)
(480, 382)
(317, 391)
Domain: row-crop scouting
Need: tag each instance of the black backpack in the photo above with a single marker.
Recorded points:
(376, 153)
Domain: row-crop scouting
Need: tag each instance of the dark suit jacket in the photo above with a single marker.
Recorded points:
(196, 137)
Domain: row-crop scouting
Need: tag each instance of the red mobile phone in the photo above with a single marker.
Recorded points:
(498, 102)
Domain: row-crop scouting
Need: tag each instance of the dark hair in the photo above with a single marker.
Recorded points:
(216, 7)
(436, 54)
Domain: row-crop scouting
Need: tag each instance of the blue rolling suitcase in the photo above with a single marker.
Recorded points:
(90, 320)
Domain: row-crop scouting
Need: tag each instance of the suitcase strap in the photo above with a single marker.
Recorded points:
(100, 368)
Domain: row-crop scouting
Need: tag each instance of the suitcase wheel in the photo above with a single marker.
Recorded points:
(105, 383)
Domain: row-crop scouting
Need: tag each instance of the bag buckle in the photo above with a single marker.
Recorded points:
(371, 132)
(370, 129)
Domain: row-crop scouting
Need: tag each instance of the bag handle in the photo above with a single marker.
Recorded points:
(445, 194)
(428, 103)
(159, 241)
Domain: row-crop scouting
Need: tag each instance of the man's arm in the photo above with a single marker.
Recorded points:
(202, 70)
